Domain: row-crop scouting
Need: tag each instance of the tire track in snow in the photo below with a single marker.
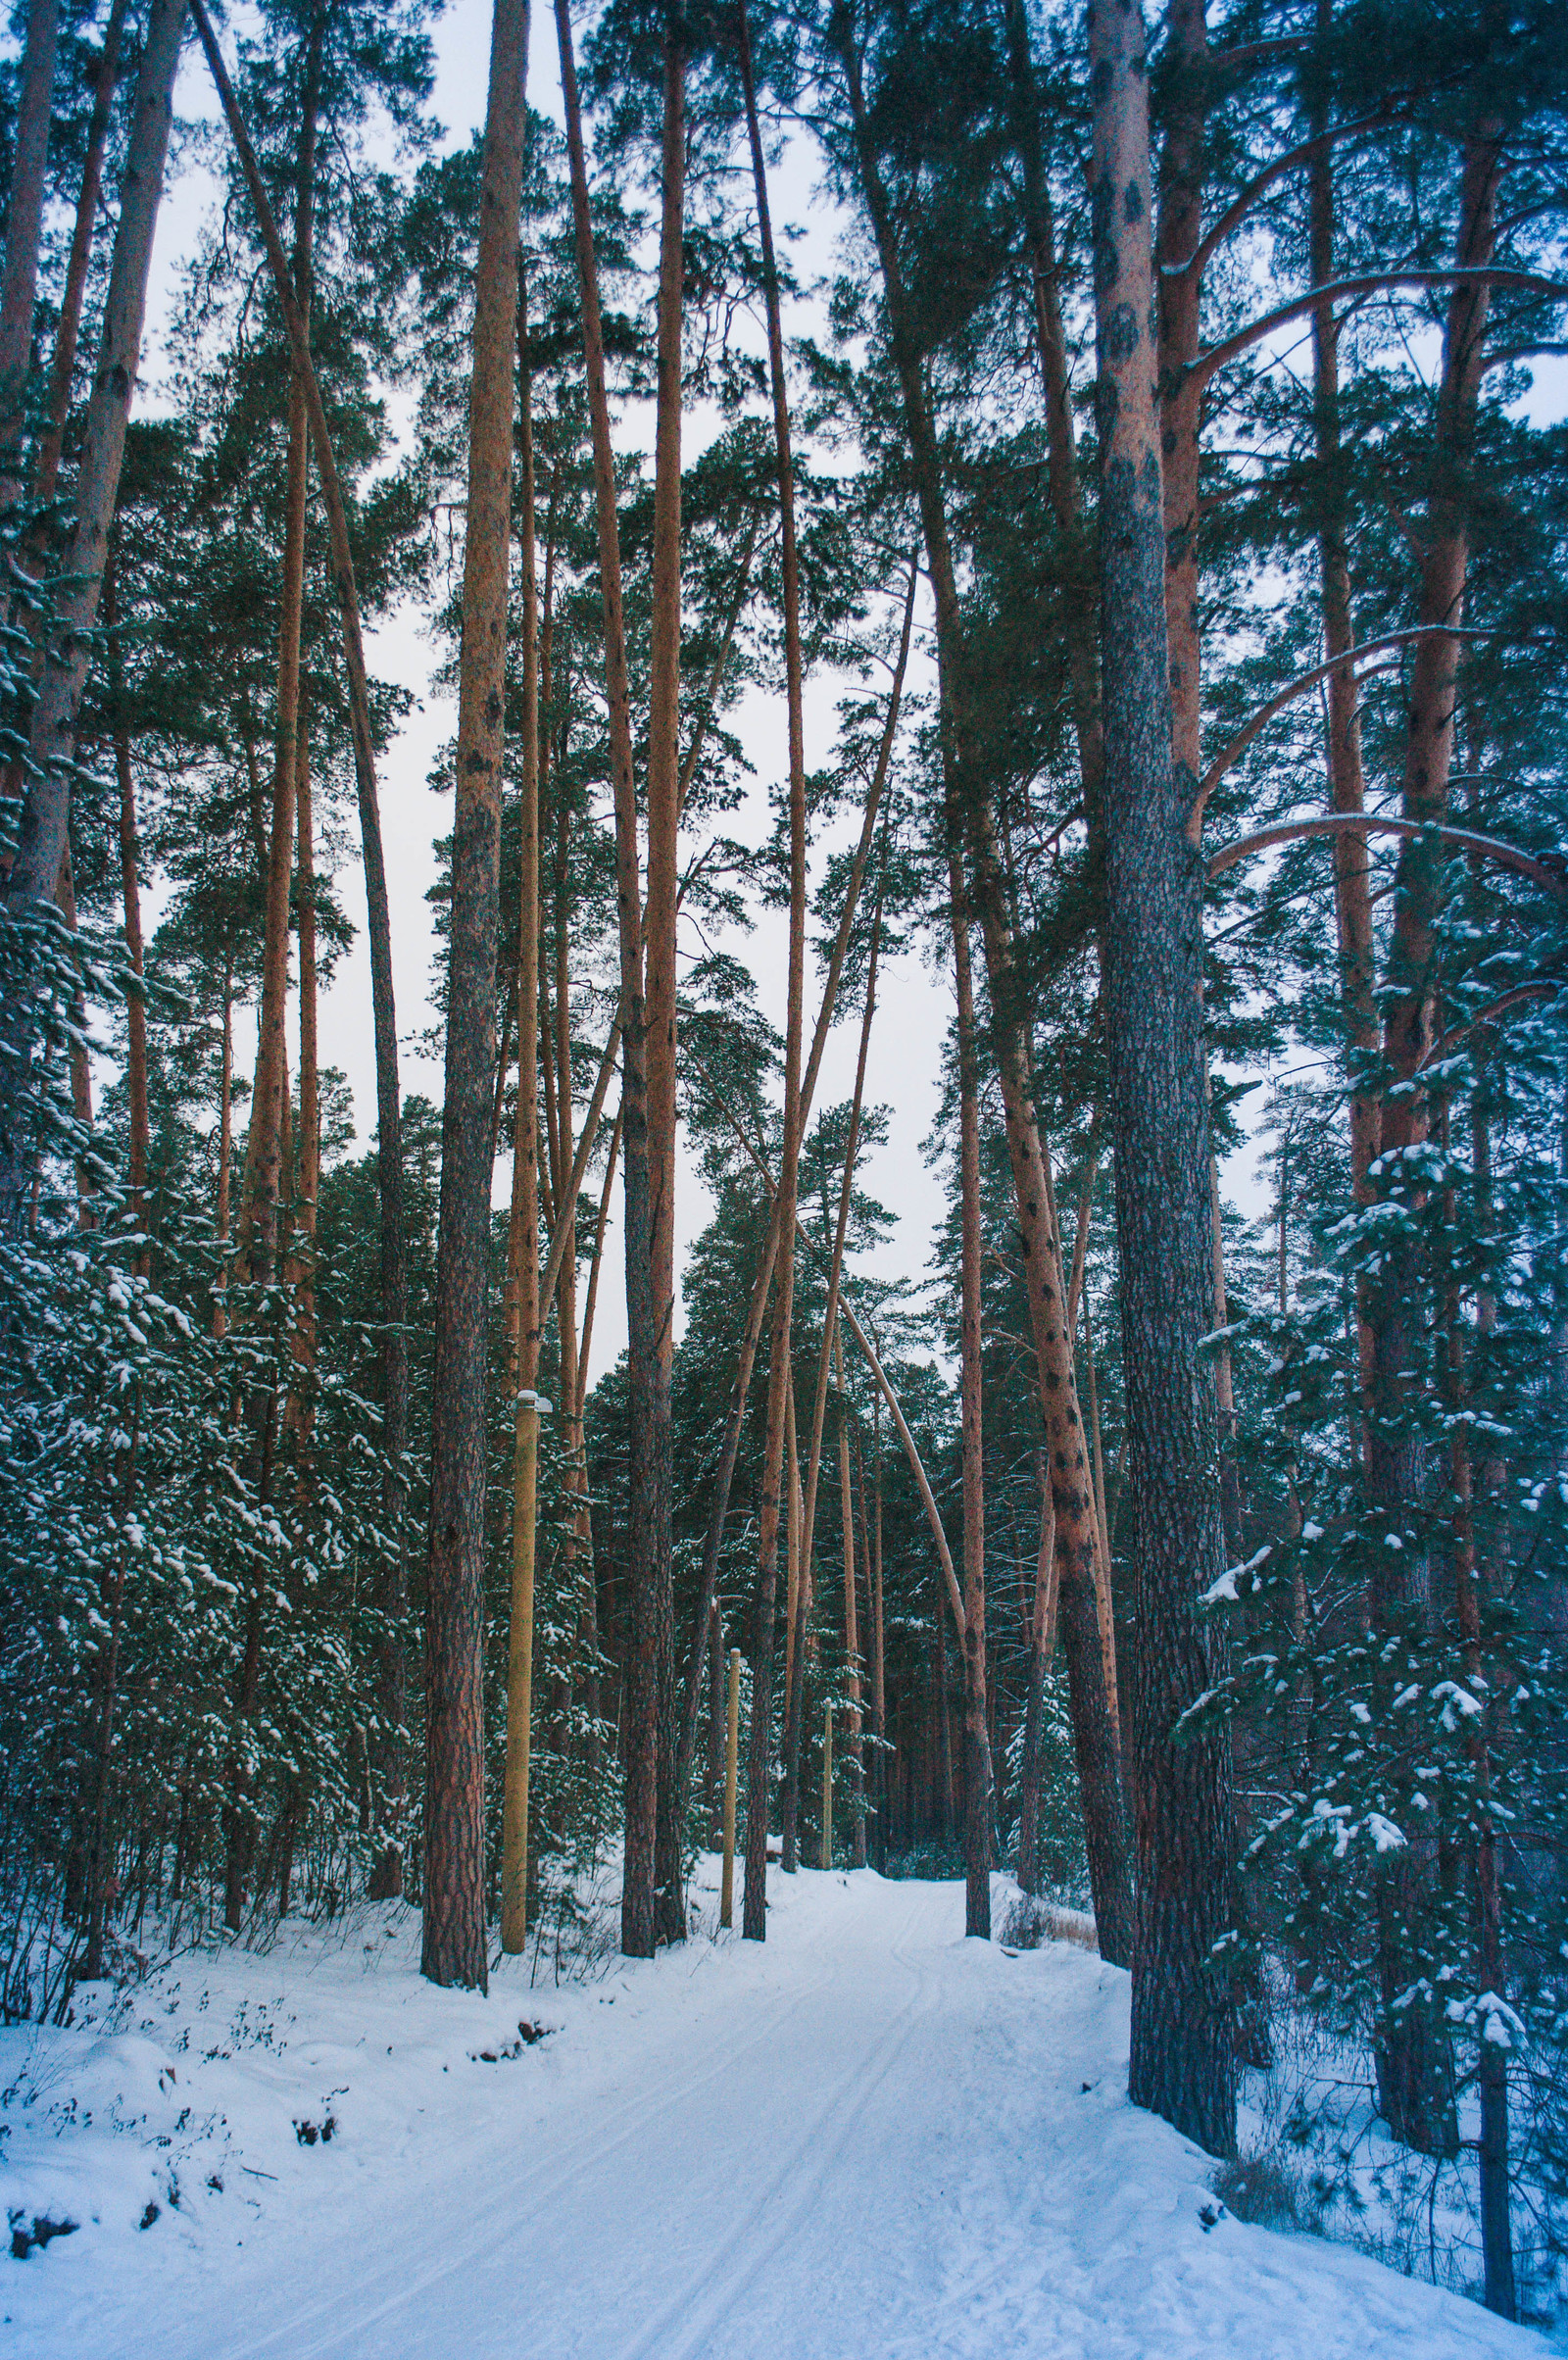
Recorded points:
(556, 2166)
(800, 2180)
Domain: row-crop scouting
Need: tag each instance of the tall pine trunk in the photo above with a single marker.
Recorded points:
(454, 1949)
(1183, 2064)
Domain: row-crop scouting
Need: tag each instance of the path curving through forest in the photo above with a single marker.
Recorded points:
(869, 2139)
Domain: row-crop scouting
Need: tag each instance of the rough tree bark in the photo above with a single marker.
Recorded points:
(454, 1949)
(1182, 2057)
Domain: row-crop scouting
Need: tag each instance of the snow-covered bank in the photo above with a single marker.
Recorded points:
(866, 2137)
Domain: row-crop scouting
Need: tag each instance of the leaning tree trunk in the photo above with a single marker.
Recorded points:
(1183, 2064)
(454, 1949)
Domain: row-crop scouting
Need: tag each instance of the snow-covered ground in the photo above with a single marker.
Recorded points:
(867, 2137)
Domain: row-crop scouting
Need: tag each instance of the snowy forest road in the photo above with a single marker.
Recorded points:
(868, 2139)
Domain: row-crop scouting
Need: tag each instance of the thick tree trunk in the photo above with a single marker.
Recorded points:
(46, 815)
(638, 1910)
(663, 820)
(453, 1950)
(1183, 2064)
(977, 1783)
